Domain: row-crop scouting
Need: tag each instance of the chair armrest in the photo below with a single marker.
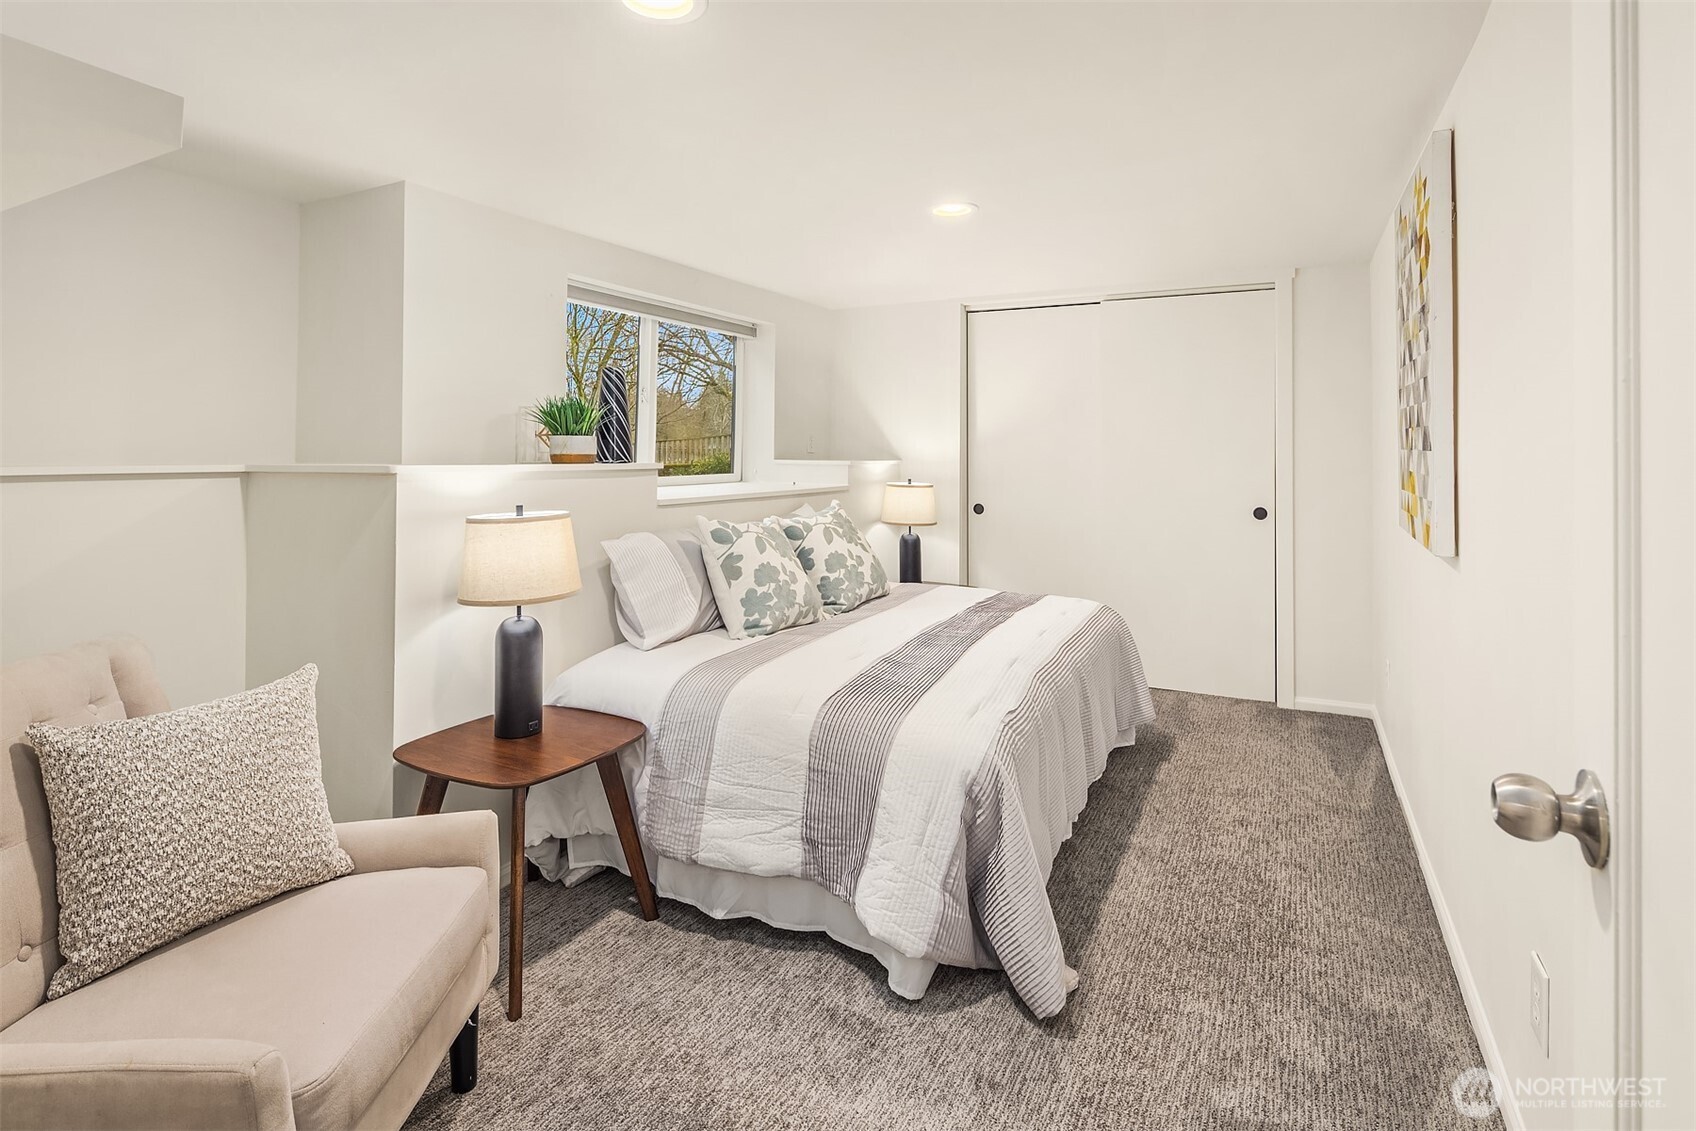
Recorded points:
(442, 840)
(196, 1084)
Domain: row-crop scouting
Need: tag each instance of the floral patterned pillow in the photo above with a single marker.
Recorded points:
(759, 585)
(837, 559)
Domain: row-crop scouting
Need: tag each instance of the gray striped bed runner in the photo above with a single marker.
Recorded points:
(856, 727)
(680, 760)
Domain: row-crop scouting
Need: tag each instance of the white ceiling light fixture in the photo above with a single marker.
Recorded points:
(668, 11)
(954, 209)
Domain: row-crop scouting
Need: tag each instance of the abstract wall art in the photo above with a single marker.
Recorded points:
(1425, 368)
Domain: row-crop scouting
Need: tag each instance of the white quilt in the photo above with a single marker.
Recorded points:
(922, 758)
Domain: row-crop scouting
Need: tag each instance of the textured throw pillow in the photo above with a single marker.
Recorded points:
(837, 559)
(661, 585)
(759, 586)
(164, 823)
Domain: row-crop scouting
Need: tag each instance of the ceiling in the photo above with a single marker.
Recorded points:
(799, 146)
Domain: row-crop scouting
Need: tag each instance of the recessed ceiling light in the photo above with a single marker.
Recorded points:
(953, 209)
(668, 11)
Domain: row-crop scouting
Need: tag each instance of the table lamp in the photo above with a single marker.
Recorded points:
(909, 504)
(518, 559)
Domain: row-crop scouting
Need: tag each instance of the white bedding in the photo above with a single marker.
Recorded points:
(917, 762)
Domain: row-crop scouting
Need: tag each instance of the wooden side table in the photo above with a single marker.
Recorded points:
(570, 740)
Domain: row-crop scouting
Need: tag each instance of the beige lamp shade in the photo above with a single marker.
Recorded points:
(909, 504)
(518, 559)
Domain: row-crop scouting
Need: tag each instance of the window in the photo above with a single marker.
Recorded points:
(695, 415)
(605, 345)
(679, 370)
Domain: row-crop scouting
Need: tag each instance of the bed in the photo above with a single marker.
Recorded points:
(900, 776)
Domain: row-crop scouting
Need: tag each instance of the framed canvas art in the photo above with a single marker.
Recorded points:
(1425, 369)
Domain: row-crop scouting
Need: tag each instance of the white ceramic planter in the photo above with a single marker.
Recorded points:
(571, 449)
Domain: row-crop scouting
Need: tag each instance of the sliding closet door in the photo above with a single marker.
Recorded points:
(1123, 451)
(1035, 464)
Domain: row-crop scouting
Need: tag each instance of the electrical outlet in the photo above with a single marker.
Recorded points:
(1540, 1002)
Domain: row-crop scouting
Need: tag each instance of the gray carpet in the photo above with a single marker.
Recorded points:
(1241, 899)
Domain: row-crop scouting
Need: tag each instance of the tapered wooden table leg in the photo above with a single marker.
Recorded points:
(430, 801)
(569, 740)
(618, 800)
(515, 913)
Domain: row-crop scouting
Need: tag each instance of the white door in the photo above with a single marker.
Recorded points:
(1123, 451)
(1613, 1048)
(1034, 463)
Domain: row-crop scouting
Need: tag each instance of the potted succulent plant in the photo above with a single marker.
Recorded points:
(568, 424)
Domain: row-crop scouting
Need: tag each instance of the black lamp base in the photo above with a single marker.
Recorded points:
(518, 677)
(909, 556)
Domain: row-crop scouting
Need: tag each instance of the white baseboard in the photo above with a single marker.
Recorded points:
(1451, 940)
(1333, 707)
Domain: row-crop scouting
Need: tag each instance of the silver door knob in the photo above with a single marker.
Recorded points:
(1529, 808)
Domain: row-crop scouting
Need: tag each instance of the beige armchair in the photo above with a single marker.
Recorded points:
(329, 1007)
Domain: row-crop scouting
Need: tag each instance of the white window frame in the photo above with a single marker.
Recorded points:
(647, 386)
(647, 423)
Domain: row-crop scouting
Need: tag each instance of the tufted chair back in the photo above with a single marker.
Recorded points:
(90, 683)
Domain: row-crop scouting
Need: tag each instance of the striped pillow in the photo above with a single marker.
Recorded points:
(661, 584)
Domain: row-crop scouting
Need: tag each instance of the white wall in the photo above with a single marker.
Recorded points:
(1333, 429)
(485, 332)
(899, 395)
(320, 585)
(349, 383)
(158, 558)
(1499, 660)
(64, 122)
(148, 318)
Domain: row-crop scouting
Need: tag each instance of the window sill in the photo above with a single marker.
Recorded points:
(686, 494)
(541, 468)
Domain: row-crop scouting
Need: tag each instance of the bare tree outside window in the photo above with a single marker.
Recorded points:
(596, 338)
(695, 424)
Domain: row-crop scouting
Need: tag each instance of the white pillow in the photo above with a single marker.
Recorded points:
(660, 582)
(759, 585)
(839, 563)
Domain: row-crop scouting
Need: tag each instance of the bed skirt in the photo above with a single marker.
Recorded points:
(788, 902)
